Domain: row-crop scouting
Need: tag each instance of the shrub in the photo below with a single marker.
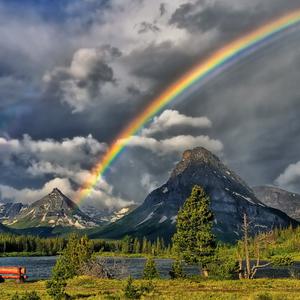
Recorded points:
(27, 296)
(282, 260)
(56, 288)
(224, 268)
(150, 271)
(130, 290)
(176, 271)
(134, 292)
(146, 288)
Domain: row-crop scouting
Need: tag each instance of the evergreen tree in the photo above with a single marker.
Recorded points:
(176, 271)
(136, 246)
(158, 246)
(144, 245)
(150, 271)
(130, 290)
(126, 242)
(194, 240)
(77, 252)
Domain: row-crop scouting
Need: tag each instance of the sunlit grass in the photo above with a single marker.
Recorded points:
(84, 287)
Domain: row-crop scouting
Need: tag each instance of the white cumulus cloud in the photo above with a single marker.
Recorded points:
(290, 177)
(172, 118)
(176, 144)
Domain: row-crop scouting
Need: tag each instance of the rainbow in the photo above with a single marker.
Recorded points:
(216, 63)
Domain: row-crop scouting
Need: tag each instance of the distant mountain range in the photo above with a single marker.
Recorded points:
(280, 199)
(54, 214)
(267, 207)
(106, 216)
(230, 197)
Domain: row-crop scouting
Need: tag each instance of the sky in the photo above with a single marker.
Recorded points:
(73, 73)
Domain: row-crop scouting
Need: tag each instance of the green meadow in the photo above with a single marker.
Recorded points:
(89, 288)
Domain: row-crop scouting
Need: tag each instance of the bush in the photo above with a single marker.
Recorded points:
(150, 271)
(176, 271)
(282, 260)
(56, 288)
(26, 296)
(146, 288)
(131, 291)
(224, 268)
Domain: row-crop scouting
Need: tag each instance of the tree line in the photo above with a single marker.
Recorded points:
(53, 246)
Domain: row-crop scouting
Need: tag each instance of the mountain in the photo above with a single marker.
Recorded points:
(280, 199)
(9, 211)
(53, 210)
(230, 197)
(118, 215)
(106, 216)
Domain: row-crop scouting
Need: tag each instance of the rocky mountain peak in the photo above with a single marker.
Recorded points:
(196, 156)
(230, 198)
(57, 198)
(56, 193)
(55, 209)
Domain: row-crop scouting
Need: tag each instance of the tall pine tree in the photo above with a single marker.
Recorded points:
(194, 241)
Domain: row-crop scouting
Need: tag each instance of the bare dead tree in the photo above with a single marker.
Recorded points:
(243, 252)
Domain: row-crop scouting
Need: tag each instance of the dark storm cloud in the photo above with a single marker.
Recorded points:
(146, 27)
(162, 9)
(228, 18)
(160, 61)
(253, 108)
(82, 81)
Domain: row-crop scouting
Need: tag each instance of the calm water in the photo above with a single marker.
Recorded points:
(40, 267)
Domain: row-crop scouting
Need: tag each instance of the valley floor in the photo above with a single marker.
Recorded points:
(90, 288)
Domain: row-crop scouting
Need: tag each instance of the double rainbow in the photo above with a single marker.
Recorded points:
(203, 71)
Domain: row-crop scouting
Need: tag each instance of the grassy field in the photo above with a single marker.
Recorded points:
(91, 288)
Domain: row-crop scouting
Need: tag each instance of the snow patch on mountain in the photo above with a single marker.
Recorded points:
(163, 219)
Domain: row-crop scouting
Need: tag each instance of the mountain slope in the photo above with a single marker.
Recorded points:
(280, 199)
(9, 211)
(52, 210)
(230, 197)
(4, 229)
(106, 216)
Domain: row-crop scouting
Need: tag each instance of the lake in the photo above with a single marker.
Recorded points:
(40, 267)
